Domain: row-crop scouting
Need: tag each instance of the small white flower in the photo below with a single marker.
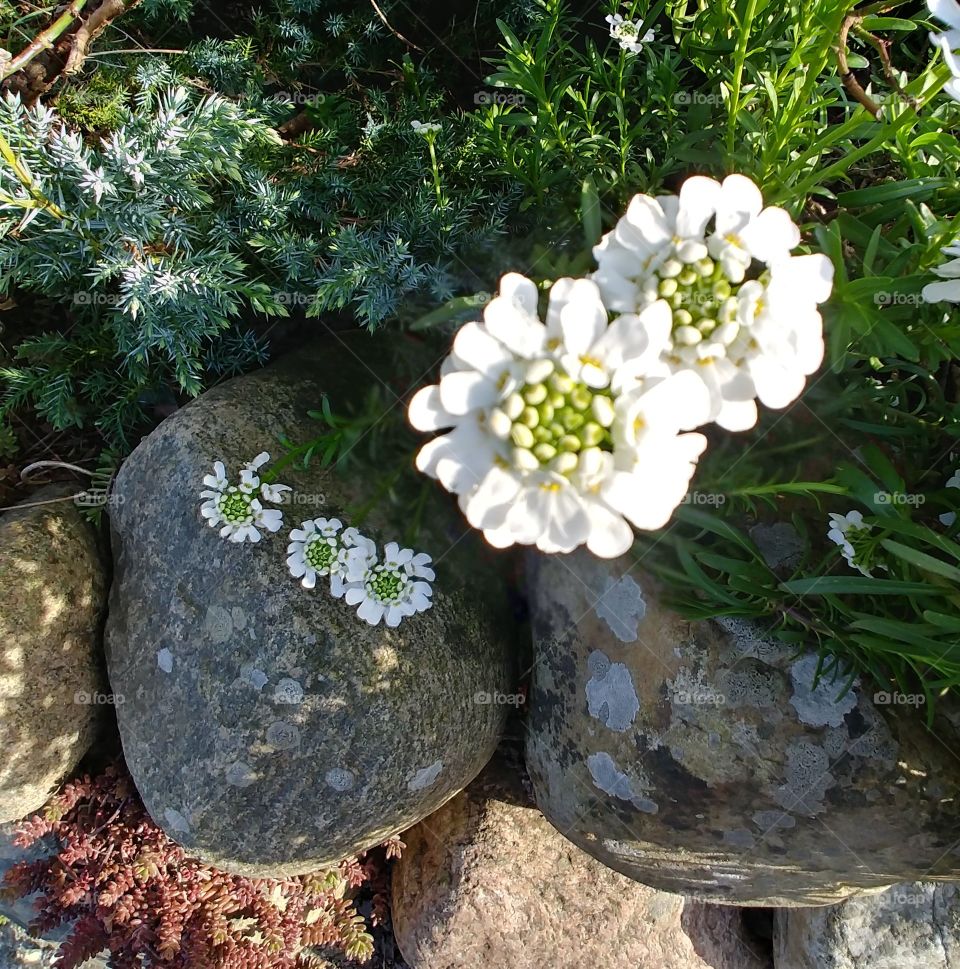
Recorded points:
(627, 34)
(948, 292)
(321, 546)
(743, 310)
(948, 42)
(393, 589)
(237, 509)
(949, 517)
(425, 128)
(847, 531)
(561, 432)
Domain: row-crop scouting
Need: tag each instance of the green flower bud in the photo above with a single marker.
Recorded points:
(602, 409)
(591, 434)
(513, 406)
(522, 436)
(667, 287)
(535, 394)
(530, 417)
(545, 452)
(565, 462)
(569, 442)
(580, 397)
(682, 318)
(561, 383)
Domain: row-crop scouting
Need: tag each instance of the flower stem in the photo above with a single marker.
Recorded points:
(740, 57)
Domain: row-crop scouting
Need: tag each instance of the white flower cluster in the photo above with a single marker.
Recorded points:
(851, 533)
(948, 42)
(237, 509)
(566, 432)
(627, 34)
(949, 291)
(388, 588)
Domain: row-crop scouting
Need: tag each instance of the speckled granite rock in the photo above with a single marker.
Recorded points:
(268, 729)
(697, 758)
(910, 926)
(53, 591)
(486, 881)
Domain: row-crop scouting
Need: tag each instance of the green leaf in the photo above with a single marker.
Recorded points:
(921, 560)
(590, 212)
(841, 584)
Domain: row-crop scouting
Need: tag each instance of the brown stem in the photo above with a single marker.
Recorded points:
(854, 21)
(91, 28)
(44, 40)
(296, 126)
(396, 33)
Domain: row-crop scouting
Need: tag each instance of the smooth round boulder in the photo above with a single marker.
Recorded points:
(268, 728)
(53, 590)
(700, 758)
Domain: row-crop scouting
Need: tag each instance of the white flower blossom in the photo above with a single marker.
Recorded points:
(948, 292)
(743, 310)
(627, 33)
(949, 517)
(558, 436)
(949, 41)
(321, 546)
(425, 128)
(393, 589)
(237, 509)
(847, 531)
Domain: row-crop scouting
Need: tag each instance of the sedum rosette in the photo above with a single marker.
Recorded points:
(559, 437)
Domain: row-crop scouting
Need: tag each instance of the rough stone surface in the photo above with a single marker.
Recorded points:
(910, 926)
(52, 595)
(486, 881)
(268, 729)
(698, 757)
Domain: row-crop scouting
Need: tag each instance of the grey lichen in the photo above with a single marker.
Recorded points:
(819, 705)
(611, 780)
(426, 777)
(611, 696)
(622, 607)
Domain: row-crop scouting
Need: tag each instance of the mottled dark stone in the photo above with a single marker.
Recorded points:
(53, 590)
(698, 758)
(268, 728)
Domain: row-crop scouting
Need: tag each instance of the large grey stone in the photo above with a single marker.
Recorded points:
(910, 926)
(486, 881)
(268, 729)
(53, 590)
(698, 757)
